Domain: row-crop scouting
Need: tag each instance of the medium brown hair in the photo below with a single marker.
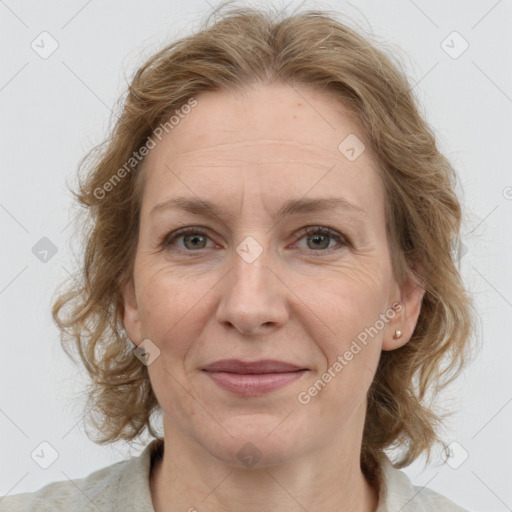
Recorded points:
(237, 47)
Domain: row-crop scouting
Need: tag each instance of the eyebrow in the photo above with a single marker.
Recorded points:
(290, 207)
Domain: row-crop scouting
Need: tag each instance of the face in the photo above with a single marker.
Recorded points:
(240, 281)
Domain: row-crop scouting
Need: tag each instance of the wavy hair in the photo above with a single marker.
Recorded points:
(237, 47)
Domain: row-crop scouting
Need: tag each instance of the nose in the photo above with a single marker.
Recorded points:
(253, 298)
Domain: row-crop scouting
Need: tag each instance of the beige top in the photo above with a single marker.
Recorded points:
(124, 486)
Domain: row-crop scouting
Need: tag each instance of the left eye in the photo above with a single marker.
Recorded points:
(320, 238)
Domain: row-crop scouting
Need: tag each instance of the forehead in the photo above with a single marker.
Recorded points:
(298, 115)
(271, 140)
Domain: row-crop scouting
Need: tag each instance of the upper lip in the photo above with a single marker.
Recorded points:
(263, 366)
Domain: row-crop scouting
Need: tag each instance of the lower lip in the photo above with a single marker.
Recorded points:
(251, 384)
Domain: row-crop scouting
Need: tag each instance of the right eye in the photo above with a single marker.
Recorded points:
(193, 240)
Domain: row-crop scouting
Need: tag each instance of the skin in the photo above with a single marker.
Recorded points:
(249, 153)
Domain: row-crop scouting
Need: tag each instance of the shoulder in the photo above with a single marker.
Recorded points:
(398, 493)
(117, 487)
(432, 500)
(65, 494)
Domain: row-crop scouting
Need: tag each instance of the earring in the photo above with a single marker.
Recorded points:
(397, 334)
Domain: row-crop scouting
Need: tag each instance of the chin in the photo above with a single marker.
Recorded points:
(259, 440)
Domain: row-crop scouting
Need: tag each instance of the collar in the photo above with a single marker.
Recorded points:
(133, 491)
(396, 491)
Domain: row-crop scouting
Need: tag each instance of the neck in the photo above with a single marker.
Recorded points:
(325, 479)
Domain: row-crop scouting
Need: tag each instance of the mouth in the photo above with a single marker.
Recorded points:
(253, 378)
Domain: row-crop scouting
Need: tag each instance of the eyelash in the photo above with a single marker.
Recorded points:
(166, 240)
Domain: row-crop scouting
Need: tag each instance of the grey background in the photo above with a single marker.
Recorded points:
(54, 109)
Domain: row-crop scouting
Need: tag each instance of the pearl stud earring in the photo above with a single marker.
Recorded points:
(397, 334)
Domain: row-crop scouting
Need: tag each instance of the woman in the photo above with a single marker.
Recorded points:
(269, 265)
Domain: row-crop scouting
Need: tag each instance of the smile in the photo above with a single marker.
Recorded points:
(251, 384)
(256, 378)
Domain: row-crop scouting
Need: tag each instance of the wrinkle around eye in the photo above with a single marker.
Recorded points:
(341, 242)
(350, 235)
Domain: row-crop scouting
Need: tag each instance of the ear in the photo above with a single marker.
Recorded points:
(406, 313)
(131, 317)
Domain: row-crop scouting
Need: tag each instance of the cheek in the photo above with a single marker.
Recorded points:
(344, 322)
(342, 325)
(345, 300)
(174, 313)
(170, 305)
